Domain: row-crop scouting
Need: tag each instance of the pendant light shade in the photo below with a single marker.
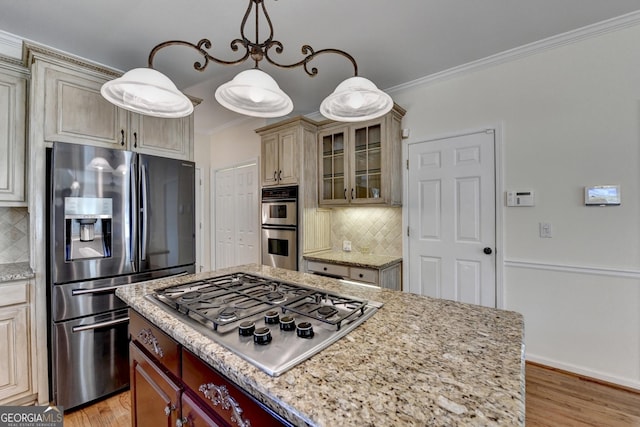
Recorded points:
(147, 91)
(254, 93)
(356, 99)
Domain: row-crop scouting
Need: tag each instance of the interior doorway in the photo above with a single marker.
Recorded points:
(236, 216)
(451, 218)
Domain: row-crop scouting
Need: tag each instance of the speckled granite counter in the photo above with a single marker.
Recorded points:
(15, 271)
(417, 361)
(355, 259)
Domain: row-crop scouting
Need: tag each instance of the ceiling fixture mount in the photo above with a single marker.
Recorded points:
(252, 92)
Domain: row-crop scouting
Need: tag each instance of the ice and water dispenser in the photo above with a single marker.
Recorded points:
(87, 223)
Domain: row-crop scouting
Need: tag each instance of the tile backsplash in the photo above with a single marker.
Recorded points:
(377, 229)
(14, 235)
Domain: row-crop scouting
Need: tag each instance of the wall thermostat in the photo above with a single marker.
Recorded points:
(602, 195)
(520, 198)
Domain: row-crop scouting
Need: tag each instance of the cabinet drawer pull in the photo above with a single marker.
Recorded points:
(219, 395)
(122, 140)
(181, 422)
(345, 194)
(168, 409)
(147, 338)
(135, 140)
(352, 194)
(275, 175)
(279, 175)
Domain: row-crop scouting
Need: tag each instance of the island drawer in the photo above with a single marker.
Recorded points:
(364, 275)
(326, 268)
(218, 393)
(158, 344)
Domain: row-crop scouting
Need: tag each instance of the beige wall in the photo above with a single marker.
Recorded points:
(568, 118)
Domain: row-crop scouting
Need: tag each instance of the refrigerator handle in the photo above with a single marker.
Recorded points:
(133, 212)
(144, 229)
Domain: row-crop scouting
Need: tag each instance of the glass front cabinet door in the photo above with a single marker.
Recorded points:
(360, 163)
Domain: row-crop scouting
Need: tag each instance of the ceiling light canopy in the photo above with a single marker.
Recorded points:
(252, 92)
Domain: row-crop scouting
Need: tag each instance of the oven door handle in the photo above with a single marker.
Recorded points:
(95, 291)
(279, 227)
(100, 325)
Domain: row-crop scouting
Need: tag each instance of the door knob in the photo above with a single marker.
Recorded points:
(487, 250)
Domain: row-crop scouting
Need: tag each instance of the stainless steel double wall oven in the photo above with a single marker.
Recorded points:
(116, 217)
(280, 227)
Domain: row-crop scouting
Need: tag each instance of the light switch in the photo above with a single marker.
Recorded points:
(545, 230)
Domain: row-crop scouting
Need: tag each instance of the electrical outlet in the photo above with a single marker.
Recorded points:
(346, 245)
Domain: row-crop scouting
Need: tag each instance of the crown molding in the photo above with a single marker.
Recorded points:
(10, 45)
(574, 36)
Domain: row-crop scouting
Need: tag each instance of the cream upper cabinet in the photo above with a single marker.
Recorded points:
(76, 112)
(360, 163)
(16, 349)
(281, 151)
(13, 109)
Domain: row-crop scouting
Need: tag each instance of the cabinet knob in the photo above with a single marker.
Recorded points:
(122, 140)
(324, 268)
(361, 275)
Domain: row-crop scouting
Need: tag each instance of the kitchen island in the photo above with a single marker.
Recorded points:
(416, 361)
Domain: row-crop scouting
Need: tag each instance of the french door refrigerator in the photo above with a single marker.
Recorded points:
(115, 218)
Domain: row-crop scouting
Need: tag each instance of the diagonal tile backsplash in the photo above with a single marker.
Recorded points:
(374, 230)
(14, 235)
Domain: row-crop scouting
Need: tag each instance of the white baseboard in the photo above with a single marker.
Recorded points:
(625, 382)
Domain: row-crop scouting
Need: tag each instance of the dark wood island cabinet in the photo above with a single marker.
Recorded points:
(170, 386)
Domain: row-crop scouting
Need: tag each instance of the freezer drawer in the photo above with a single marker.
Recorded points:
(91, 358)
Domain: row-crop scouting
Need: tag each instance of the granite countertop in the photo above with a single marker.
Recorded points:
(15, 271)
(354, 259)
(417, 361)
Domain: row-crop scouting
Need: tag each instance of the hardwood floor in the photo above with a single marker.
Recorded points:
(554, 399)
(557, 398)
(112, 412)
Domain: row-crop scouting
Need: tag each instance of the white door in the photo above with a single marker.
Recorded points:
(451, 218)
(237, 220)
(247, 244)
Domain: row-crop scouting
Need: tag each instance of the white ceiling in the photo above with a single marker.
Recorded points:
(393, 41)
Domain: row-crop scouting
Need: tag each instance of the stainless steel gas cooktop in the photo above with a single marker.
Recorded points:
(273, 324)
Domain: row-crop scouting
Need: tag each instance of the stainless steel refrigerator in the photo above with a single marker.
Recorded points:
(115, 218)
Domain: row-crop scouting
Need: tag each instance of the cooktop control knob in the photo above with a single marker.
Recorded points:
(305, 330)
(287, 323)
(271, 317)
(246, 328)
(262, 336)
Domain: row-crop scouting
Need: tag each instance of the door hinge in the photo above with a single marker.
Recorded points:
(407, 231)
(490, 131)
(407, 164)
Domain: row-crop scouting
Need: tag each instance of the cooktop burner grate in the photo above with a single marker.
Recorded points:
(272, 324)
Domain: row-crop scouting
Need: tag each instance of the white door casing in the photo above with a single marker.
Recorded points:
(452, 218)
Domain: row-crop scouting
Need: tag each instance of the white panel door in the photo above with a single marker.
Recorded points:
(247, 243)
(237, 216)
(225, 212)
(451, 214)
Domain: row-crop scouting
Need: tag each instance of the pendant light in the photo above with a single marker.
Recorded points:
(252, 92)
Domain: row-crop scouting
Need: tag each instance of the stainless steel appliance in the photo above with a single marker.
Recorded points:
(273, 324)
(116, 218)
(280, 227)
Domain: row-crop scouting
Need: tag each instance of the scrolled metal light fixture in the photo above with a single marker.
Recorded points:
(252, 92)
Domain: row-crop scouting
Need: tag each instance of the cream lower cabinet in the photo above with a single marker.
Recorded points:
(388, 277)
(13, 109)
(74, 111)
(16, 350)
